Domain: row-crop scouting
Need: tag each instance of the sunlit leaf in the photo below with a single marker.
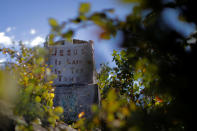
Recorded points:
(59, 109)
(68, 35)
(52, 95)
(53, 22)
(37, 99)
(80, 115)
(51, 39)
(84, 8)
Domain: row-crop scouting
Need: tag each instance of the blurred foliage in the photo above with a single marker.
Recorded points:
(159, 60)
(126, 100)
(151, 88)
(26, 90)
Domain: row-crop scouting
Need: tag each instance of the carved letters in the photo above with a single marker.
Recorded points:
(77, 62)
(68, 52)
(75, 89)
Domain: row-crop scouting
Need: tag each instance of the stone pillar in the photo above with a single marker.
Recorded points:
(73, 63)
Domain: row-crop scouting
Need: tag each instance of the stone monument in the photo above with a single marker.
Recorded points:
(73, 63)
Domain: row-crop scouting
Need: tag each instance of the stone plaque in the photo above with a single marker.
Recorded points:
(72, 62)
(76, 99)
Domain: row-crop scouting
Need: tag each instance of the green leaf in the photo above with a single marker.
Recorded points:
(68, 35)
(97, 19)
(53, 22)
(82, 17)
(37, 99)
(84, 8)
(51, 39)
(59, 110)
(123, 53)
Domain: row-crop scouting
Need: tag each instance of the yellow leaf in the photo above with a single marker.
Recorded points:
(26, 78)
(144, 70)
(84, 8)
(59, 110)
(52, 95)
(53, 22)
(96, 120)
(132, 106)
(110, 117)
(51, 102)
(125, 111)
(81, 114)
(37, 99)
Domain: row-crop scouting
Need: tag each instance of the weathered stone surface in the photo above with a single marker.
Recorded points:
(72, 62)
(75, 89)
(76, 99)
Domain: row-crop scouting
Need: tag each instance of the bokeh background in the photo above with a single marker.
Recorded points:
(27, 21)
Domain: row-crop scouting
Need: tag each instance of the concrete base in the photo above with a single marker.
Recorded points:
(76, 99)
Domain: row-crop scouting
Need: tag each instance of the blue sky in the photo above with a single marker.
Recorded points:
(27, 20)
